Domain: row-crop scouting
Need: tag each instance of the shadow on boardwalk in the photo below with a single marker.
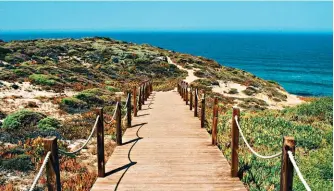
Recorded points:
(166, 149)
(134, 141)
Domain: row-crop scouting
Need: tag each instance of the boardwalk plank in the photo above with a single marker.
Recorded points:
(166, 149)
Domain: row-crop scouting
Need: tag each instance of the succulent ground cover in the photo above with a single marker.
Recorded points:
(51, 87)
(311, 125)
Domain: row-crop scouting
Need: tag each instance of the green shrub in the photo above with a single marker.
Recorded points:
(90, 97)
(72, 104)
(21, 163)
(7, 75)
(22, 72)
(20, 119)
(48, 123)
(250, 91)
(199, 73)
(273, 82)
(274, 93)
(95, 91)
(72, 52)
(253, 104)
(233, 91)
(43, 79)
(112, 89)
(320, 109)
(108, 82)
(141, 61)
(188, 66)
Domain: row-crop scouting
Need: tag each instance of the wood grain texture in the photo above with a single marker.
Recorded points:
(166, 149)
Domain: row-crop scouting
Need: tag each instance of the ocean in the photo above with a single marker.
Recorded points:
(301, 62)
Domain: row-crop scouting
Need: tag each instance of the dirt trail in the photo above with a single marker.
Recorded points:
(191, 77)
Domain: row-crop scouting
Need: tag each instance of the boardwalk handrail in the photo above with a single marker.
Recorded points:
(290, 154)
(182, 88)
(51, 161)
(39, 174)
(86, 142)
(288, 148)
(250, 148)
(300, 176)
(113, 116)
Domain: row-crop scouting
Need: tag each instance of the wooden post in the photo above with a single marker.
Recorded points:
(187, 94)
(196, 103)
(203, 112)
(128, 110)
(52, 167)
(100, 143)
(180, 84)
(151, 87)
(286, 165)
(146, 91)
(135, 113)
(191, 99)
(235, 143)
(214, 122)
(139, 98)
(181, 87)
(119, 124)
(143, 95)
(184, 91)
(178, 87)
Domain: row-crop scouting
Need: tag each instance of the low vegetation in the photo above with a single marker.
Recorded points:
(48, 123)
(98, 70)
(41, 79)
(22, 119)
(309, 123)
(233, 91)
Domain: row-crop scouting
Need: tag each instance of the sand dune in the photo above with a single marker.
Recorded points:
(224, 87)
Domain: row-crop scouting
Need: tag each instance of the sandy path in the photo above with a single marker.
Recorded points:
(191, 77)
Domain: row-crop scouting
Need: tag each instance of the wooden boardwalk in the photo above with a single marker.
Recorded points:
(165, 149)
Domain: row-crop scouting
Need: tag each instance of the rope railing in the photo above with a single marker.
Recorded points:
(288, 148)
(39, 174)
(301, 178)
(113, 116)
(197, 94)
(126, 103)
(250, 148)
(126, 107)
(125, 116)
(86, 142)
(51, 147)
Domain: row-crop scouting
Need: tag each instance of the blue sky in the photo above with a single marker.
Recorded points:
(159, 16)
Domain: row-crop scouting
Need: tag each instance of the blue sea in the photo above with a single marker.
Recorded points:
(301, 62)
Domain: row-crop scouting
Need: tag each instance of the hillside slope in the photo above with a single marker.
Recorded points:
(51, 87)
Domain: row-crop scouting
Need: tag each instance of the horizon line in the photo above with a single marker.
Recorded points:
(163, 30)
